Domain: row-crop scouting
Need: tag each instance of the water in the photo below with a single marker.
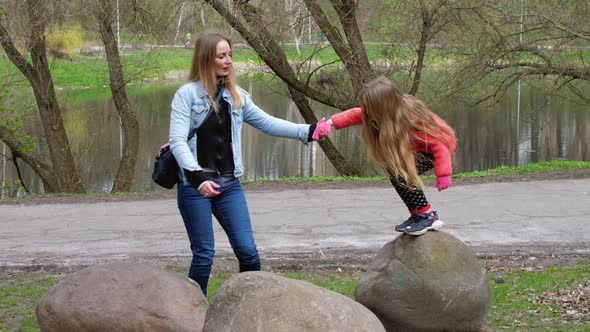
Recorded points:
(549, 128)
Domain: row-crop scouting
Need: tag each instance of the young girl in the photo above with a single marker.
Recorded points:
(405, 139)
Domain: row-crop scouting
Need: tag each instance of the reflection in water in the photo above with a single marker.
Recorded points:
(549, 128)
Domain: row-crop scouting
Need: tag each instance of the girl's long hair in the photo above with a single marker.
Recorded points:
(392, 122)
(203, 68)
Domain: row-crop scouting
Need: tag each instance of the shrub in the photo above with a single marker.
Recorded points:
(64, 40)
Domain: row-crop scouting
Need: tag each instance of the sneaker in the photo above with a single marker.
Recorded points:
(402, 226)
(423, 223)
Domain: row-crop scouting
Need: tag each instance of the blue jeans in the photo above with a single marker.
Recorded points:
(231, 211)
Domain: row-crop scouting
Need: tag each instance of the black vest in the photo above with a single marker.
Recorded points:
(214, 142)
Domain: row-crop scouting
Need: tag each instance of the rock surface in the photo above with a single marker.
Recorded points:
(123, 297)
(432, 282)
(263, 301)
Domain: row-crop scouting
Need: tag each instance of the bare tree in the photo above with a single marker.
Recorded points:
(295, 12)
(538, 42)
(58, 170)
(349, 44)
(127, 114)
(181, 11)
(431, 14)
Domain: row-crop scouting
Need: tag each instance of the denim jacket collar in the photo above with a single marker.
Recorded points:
(201, 93)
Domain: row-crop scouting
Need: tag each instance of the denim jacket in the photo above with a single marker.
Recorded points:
(189, 109)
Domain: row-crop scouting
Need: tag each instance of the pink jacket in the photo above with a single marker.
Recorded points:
(426, 143)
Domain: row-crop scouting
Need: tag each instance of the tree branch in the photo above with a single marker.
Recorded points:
(332, 33)
(19, 174)
(266, 47)
(563, 28)
(38, 162)
(14, 55)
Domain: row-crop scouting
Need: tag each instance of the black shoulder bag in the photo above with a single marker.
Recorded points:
(166, 168)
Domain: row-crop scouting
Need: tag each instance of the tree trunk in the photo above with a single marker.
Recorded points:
(39, 163)
(359, 66)
(424, 37)
(351, 51)
(343, 166)
(129, 123)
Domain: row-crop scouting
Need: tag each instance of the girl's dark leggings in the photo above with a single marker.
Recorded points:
(414, 198)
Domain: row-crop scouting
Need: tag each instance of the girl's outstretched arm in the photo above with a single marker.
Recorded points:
(350, 117)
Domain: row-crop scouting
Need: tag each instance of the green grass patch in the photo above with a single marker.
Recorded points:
(294, 179)
(548, 166)
(515, 304)
(78, 96)
(18, 300)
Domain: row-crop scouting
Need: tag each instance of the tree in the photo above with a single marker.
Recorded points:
(58, 170)
(524, 40)
(433, 21)
(127, 114)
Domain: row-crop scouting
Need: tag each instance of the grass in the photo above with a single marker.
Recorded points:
(18, 299)
(85, 72)
(548, 166)
(83, 78)
(514, 306)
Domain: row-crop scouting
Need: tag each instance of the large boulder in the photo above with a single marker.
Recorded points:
(123, 297)
(263, 301)
(432, 282)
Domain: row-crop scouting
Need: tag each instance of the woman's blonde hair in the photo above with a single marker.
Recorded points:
(203, 68)
(392, 122)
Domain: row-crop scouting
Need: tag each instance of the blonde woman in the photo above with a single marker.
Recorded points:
(205, 137)
(405, 139)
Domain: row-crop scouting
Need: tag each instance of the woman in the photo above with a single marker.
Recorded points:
(210, 110)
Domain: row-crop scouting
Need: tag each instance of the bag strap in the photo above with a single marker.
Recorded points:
(211, 110)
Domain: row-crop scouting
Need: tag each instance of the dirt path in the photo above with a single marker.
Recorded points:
(535, 256)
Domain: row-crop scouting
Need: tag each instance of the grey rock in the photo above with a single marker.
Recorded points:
(263, 301)
(432, 282)
(123, 296)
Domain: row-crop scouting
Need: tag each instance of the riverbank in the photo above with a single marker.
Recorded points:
(559, 172)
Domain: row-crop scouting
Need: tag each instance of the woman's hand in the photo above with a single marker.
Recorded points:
(443, 182)
(207, 189)
(202, 182)
(322, 130)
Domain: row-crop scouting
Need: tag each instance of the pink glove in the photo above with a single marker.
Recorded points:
(322, 130)
(443, 182)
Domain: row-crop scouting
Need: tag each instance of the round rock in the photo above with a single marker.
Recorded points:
(123, 296)
(432, 282)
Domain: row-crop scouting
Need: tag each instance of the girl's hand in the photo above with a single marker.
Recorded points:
(322, 130)
(443, 182)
